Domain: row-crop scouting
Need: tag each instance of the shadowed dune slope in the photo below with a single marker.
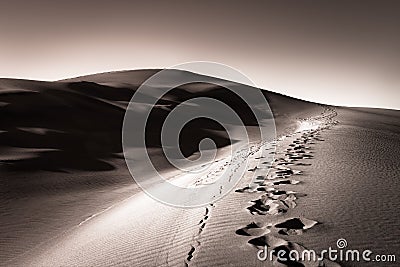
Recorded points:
(76, 124)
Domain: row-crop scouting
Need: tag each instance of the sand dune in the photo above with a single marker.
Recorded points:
(68, 199)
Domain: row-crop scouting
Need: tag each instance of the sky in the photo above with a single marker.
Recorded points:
(332, 52)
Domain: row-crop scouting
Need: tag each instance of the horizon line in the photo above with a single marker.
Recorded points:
(66, 78)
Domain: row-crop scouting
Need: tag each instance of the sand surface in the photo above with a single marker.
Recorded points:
(335, 175)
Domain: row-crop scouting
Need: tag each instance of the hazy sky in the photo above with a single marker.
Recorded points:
(335, 52)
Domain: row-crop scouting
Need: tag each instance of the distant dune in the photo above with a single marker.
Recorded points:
(78, 121)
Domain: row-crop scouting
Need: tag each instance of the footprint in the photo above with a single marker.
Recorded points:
(303, 164)
(287, 181)
(268, 240)
(267, 205)
(295, 226)
(254, 229)
(253, 169)
(248, 189)
(190, 254)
